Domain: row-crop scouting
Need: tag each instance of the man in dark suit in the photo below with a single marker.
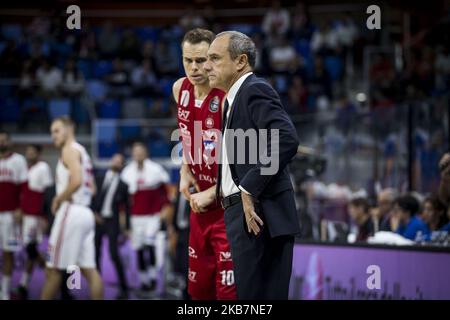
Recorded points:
(108, 205)
(254, 185)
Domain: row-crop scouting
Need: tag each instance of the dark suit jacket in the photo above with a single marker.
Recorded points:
(120, 199)
(258, 106)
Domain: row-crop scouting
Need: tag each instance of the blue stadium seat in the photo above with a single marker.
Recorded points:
(133, 108)
(79, 112)
(106, 132)
(109, 109)
(147, 33)
(96, 89)
(159, 148)
(107, 149)
(9, 110)
(12, 31)
(85, 67)
(34, 104)
(303, 47)
(2, 46)
(102, 68)
(58, 108)
(6, 90)
(334, 66)
(130, 132)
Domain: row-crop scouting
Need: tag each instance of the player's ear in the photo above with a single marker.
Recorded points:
(241, 61)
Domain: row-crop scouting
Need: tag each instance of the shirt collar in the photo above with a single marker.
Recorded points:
(235, 88)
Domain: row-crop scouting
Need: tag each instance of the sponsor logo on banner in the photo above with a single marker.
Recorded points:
(185, 96)
(225, 256)
(214, 104)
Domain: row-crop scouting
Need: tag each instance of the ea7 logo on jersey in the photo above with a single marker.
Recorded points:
(192, 275)
(184, 100)
(192, 253)
(183, 114)
(225, 256)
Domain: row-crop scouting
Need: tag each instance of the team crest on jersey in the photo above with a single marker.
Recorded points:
(214, 104)
(185, 96)
(209, 122)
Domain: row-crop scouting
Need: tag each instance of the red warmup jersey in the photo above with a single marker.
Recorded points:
(32, 196)
(202, 142)
(147, 187)
(13, 173)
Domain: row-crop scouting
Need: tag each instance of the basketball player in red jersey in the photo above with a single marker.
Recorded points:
(32, 205)
(199, 106)
(13, 175)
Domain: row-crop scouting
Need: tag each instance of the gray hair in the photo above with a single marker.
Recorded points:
(241, 44)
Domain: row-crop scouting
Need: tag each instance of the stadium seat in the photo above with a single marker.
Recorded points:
(12, 31)
(109, 109)
(133, 108)
(147, 33)
(106, 131)
(107, 149)
(79, 112)
(102, 68)
(85, 67)
(9, 110)
(159, 148)
(58, 108)
(130, 132)
(96, 89)
(334, 66)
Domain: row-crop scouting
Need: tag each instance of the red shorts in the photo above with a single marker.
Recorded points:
(211, 274)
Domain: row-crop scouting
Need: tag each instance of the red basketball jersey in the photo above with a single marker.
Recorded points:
(200, 126)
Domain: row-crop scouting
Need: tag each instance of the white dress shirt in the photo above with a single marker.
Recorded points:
(228, 186)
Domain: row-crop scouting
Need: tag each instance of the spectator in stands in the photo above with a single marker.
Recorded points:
(158, 111)
(129, 45)
(108, 41)
(166, 59)
(262, 58)
(49, 79)
(384, 219)
(301, 27)
(143, 79)
(406, 208)
(359, 213)
(118, 79)
(347, 32)
(86, 43)
(10, 60)
(27, 80)
(346, 114)
(434, 213)
(191, 19)
(276, 21)
(320, 81)
(72, 80)
(444, 185)
(297, 96)
(325, 40)
(282, 55)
